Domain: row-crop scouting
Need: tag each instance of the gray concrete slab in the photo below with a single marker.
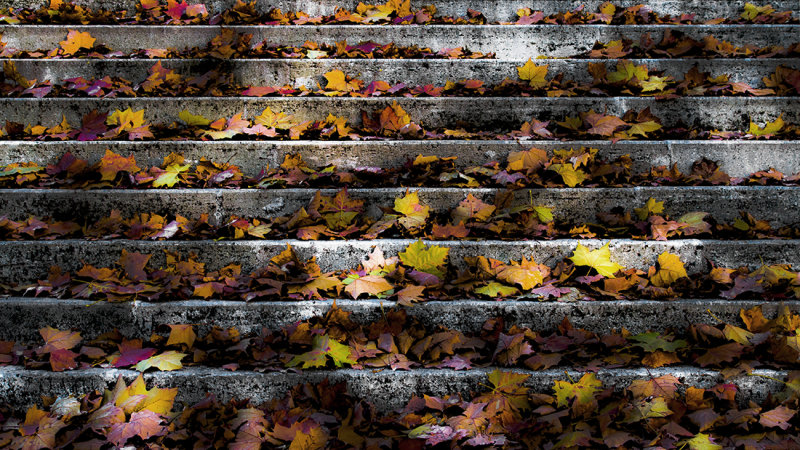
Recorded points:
(737, 158)
(22, 261)
(572, 205)
(489, 113)
(517, 42)
(24, 316)
(388, 390)
(411, 72)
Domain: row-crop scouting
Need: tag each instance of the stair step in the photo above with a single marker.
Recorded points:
(572, 205)
(486, 112)
(736, 157)
(495, 11)
(411, 72)
(22, 261)
(506, 41)
(139, 319)
(388, 390)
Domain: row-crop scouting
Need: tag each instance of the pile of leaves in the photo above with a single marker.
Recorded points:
(627, 80)
(230, 44)
(395, 12)
(398, 341)
(172, 12)
(660, 411)
(420, 272)
(676, 44)
(392, 122)
(341, 216)
(532, 168)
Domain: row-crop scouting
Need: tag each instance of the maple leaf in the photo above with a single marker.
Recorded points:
(603, 125)
(472, 208)
(599, 260)
(700, 442)
(425, 259)
(409, 295)
(372, 285)
(626, 71)
(311, 289)
(394, 118)
(496, 290)
(778, 417)
(58, 339)
(569, 174)
(111, 164)
(193, 120)
(769, 129)
(169, 360)
(322, 348)
(171, 175)
(664, 386)
(337, 81)
(76, 41)
(670, 268)
(137, 397)
(181, 334)
(582, 393)
(126, 120)
(642, 128)
(737, 334)
(279, 120)
(134, 264)
(533, 74)
(527, 274)
(414, 213)
(527, 160)
(143, 424)
(92, 125)
(653, 341)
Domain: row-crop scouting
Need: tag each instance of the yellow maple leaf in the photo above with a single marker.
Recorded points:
(193, 120)
(652, 206)
(670, 268)
(768, 129)
(76, 41)
(533, 74)
(157, 400)
(571, 176)
(171, 175)
(414, 213)
(269, 119)
(181, 334)
(425, 259)
(127, 119)
(599, 260)
(527, 274)
(169, 360)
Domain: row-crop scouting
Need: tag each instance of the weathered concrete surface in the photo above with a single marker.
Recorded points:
(22, 261)
(23, 317)
(574, 205)
(388, 390)
(309, 73)
(506, 41)
(488, 113)
(737, 158)
(493, 10)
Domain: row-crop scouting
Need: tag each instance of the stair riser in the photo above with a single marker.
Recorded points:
(500, 113)
(570, 205)
(506, 41)
(30, 260)
(309, 73)
(495, 11)
(388, 390)
(25, 316)
(737, 158)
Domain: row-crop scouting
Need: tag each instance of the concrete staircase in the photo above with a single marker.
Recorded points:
(26, 261)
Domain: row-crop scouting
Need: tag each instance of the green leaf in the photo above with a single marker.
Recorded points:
(425, 259)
